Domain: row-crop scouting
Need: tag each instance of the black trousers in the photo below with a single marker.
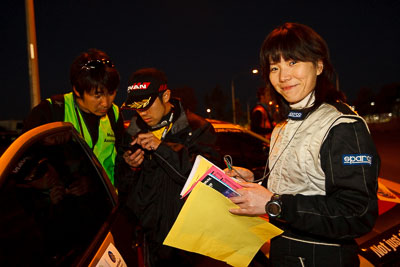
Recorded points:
(288, 252)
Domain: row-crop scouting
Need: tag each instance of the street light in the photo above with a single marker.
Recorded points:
(32, 53)
(254, 72)
(208, 112)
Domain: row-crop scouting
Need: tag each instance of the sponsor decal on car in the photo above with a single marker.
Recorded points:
(384, 248)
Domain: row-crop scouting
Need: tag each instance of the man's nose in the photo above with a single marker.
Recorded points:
(106, 101)
(142, 112)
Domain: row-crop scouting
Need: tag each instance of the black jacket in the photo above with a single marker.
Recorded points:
(153, 191)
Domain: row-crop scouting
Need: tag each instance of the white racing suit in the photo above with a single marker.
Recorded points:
(325, 168)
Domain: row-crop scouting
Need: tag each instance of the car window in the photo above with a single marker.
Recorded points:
(52, 202)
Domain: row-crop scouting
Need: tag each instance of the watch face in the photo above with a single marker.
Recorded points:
(273, 209)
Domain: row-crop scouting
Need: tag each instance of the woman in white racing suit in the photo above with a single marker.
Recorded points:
(323, 164)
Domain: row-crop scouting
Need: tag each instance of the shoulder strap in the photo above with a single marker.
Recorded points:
(113, 121)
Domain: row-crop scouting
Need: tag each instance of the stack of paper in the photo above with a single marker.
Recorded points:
(206, 226)
(206, 172)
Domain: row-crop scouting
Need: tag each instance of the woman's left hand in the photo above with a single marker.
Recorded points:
(252, 199)
(241, 174)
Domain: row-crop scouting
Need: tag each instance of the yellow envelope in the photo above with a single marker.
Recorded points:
(206, 226)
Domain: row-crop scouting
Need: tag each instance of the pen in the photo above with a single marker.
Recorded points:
(227, 164)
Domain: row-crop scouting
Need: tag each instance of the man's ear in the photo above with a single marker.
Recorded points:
(76, 92)
(166, 96)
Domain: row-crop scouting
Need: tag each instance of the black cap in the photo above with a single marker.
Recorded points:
(144, 87)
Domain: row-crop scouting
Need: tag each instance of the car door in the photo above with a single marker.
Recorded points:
(58, 207)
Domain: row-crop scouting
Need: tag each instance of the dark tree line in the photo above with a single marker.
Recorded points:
(386, 100)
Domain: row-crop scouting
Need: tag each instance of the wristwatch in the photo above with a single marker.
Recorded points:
(274, 207)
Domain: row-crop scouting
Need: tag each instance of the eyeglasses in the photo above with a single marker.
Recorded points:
(92, 64)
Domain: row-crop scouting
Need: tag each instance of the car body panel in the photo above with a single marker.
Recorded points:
(381, 246)
(246, 148)
(221, 126)
(63, 211)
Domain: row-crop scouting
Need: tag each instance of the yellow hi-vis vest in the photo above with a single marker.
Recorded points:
(104, 149)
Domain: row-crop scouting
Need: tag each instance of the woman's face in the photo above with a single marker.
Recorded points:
(294, 80)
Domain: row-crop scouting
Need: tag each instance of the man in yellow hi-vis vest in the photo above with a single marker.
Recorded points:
(89, 107)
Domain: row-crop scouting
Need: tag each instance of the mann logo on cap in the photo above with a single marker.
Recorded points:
(357, 159)
(138, 86)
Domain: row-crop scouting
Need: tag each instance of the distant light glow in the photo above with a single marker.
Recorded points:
(208, 110)
(372, 103)
(254, 71)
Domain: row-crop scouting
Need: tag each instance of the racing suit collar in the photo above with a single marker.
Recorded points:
(300, 110)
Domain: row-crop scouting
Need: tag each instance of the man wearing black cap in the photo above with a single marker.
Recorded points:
(165, 140)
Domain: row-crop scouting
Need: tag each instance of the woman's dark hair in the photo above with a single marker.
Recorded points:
(94, 70)
(299, 42)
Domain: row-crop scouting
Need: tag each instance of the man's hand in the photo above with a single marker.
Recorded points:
(252, 199)
(148, 141)
(135, 158)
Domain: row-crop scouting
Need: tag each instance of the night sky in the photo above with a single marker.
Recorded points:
(200, 44)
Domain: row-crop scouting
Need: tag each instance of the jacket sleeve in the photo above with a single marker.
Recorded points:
(349, 208)
(177, 158)
(124, 176)
(39, 115)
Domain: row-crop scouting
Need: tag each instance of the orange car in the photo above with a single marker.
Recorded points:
(58, 207)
